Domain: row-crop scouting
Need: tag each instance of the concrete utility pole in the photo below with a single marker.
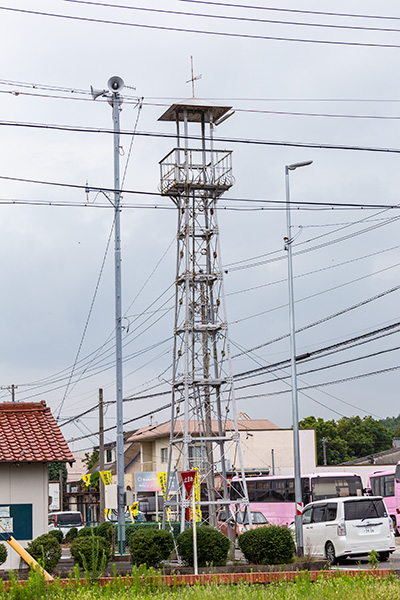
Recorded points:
(324, 440)
(101, 454)
(11, 389)
(295, 407)
(116, 85)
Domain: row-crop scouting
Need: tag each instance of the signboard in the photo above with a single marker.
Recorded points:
(54, 496)
(17, 519)
(188, 478)
(147, 481)
(6, 525)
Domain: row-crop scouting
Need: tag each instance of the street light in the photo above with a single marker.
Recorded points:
(295, 408)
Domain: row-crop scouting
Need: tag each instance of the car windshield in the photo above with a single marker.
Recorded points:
(256, 517)
(69, 519)
(364, 509)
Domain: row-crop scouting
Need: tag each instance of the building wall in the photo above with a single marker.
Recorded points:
(256, 447)
(25, 484)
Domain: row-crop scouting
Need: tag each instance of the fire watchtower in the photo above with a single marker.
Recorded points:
(204, 431)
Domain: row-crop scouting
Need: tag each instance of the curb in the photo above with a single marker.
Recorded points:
(225, 578)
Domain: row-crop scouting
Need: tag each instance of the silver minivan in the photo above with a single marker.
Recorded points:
(65, 520)
(341, 527)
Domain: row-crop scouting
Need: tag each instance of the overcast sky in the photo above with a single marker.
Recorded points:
(323, 94)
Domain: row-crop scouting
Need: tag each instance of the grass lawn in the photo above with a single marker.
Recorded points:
(362, 586)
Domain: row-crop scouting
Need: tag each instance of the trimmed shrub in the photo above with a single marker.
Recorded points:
(105, 530)
(3, 554)
(88, 551)
(45, 549)
(212, 547)
(86, 531)
(150, 546)
(71, 534)
(58, 534)
(271, 545)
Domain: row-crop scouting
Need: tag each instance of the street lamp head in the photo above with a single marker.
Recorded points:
(299, 164)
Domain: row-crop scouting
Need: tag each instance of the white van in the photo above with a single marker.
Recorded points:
(65, 520)
(341, 527)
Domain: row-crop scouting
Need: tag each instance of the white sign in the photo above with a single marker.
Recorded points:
(6, 524)
(54, 496)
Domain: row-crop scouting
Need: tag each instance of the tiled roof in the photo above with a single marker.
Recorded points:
(29, 433)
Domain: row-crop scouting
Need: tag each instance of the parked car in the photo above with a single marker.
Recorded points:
(241, 522)
(65, 520)
(341, 527)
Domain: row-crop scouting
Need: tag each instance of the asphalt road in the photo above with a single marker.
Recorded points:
(392, 563)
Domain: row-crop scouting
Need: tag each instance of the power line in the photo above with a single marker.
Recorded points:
(232, 18)
(291, 10)
(318, 146)
(325, 319)
(198, 31)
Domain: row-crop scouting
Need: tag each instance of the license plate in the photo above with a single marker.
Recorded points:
(369, 529)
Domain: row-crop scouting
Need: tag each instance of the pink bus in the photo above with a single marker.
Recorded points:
(387, 484)
(274, 495)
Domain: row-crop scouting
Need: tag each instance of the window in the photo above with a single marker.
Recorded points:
(364, 509)
(164, 455)
(319, 514)
(307, 516)
(335, 487)
(197, 456)
(331, 511)
(389, 485)
(109, 455)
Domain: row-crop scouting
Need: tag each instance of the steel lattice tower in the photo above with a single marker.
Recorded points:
(204, 429)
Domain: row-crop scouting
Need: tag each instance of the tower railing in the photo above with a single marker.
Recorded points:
(210, 169)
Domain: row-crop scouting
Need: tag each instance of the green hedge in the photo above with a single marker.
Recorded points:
(3, 554)
(58, 534)
(212, 547)
(271, 545)
(71, 534)
(150, 546)
(45, 549)
(87, 551)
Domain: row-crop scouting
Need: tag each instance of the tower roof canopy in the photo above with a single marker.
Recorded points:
(195, 109)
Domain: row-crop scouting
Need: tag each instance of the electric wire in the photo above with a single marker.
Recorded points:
(230, 17)
(198, 31)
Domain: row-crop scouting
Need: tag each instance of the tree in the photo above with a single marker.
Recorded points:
(91, 459)
(54, 469)
(348, 438)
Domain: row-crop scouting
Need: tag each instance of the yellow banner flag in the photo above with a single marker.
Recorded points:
(197, 495)
(86, 479)
(133, 511)
(106, 477)
(162, 480)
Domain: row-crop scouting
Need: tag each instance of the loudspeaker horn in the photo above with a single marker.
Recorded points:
(97, 93)
(115, 84)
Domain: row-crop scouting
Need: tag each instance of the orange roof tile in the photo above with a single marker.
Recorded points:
(29, 433)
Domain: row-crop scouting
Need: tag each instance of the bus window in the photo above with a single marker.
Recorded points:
(331, 487)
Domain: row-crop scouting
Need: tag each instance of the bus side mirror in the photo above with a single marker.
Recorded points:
(367, 491)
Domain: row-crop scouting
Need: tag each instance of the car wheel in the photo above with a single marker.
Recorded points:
(330, 553)
(383, 556)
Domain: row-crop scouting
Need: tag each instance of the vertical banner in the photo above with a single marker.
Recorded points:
(106, 477)
(133, 511)
(162, 480)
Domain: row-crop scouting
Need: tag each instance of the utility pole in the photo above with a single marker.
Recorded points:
(324, 440)
(116, 85)
(11, 389)
(101, 455)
